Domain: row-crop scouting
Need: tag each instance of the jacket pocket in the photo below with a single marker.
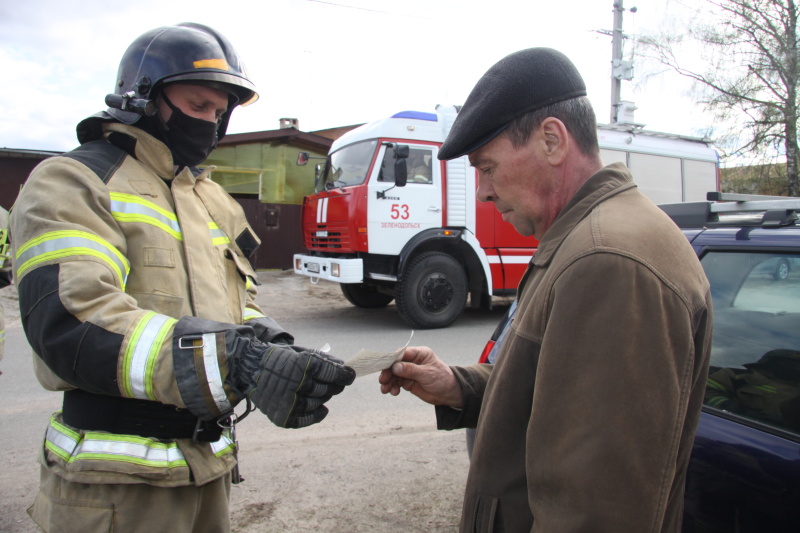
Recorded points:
(159, 257)
(243, 266)
(165, 304)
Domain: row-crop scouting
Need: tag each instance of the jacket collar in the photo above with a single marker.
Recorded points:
(604, 184)
(148, 150)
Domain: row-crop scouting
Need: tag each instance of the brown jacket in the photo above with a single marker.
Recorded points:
(588, 417)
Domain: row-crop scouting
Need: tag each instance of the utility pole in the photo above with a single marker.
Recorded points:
(620, 69)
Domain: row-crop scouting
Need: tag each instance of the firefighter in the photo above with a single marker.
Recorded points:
(138, 299)
(5, 274)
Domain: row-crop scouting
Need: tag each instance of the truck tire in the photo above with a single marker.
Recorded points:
(365, 296)
(433, 292)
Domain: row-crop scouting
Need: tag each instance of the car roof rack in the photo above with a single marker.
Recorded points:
(729, 209)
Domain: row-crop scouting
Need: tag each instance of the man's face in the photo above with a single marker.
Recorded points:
(520, 182)
(198, 101)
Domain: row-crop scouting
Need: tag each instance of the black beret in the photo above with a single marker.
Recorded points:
(520, 82)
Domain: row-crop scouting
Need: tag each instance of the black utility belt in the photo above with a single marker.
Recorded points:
(129, 416)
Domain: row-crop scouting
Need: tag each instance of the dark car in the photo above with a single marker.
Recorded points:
(744, 473)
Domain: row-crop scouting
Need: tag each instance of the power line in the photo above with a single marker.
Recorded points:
(367, 9)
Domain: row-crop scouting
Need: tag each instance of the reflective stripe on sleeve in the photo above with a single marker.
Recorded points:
(62, 244)
(141, 353)
(213, 376)
(71, 446)
(251, 314)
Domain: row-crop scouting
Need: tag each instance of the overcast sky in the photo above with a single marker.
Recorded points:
(327, 63)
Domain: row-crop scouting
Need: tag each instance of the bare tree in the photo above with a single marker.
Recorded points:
(743, 58)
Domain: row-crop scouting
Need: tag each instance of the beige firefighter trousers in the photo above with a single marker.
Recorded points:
(65, 507)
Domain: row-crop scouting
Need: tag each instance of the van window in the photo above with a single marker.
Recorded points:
(755, 356)
(658, 177)
(699, 177)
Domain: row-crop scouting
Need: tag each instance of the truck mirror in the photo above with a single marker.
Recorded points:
(400, 172)
(401, 151)
(302, 158)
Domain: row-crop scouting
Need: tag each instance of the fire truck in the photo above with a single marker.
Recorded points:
(390, 222)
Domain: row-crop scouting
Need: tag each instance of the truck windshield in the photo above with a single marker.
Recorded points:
(348, 166)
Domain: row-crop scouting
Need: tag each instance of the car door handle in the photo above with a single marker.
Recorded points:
(434, 208)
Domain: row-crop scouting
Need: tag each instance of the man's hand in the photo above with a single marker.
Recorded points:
(290, 384)
(425, 376)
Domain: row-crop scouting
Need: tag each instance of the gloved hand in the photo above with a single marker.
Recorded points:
(289, 384)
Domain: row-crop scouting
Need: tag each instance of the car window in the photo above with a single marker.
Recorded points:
(755, 357)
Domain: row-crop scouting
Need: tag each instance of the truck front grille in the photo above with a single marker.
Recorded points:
(327, 237)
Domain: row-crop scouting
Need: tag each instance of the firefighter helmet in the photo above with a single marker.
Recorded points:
(187, 52)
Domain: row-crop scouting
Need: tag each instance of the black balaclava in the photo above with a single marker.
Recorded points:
(189, 139)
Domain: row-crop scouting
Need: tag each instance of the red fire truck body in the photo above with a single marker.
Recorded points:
(389, 221)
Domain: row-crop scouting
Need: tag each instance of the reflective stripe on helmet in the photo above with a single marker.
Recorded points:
(141, 353)
(219, 64)
(63, 244)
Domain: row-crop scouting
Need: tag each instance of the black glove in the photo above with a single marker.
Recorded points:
(289, 384)
(267, 330)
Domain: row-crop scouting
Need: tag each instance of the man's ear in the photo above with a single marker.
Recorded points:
(557, 140)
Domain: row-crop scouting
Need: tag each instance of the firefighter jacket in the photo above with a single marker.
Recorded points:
(5, 273)
(767, 390)
(587, 419)
(114, 253)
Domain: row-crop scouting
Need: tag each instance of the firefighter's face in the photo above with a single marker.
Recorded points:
(197, 101)
(520, 181)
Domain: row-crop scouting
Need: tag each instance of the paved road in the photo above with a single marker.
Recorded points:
(376, 463)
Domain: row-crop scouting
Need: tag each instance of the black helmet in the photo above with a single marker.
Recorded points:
(187, 52)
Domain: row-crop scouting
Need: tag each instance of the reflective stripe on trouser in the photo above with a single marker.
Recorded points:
(71, 446)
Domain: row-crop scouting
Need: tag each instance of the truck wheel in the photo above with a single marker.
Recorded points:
(433, 292)
(365, 296)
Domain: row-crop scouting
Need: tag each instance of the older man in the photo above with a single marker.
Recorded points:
(586, 421)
